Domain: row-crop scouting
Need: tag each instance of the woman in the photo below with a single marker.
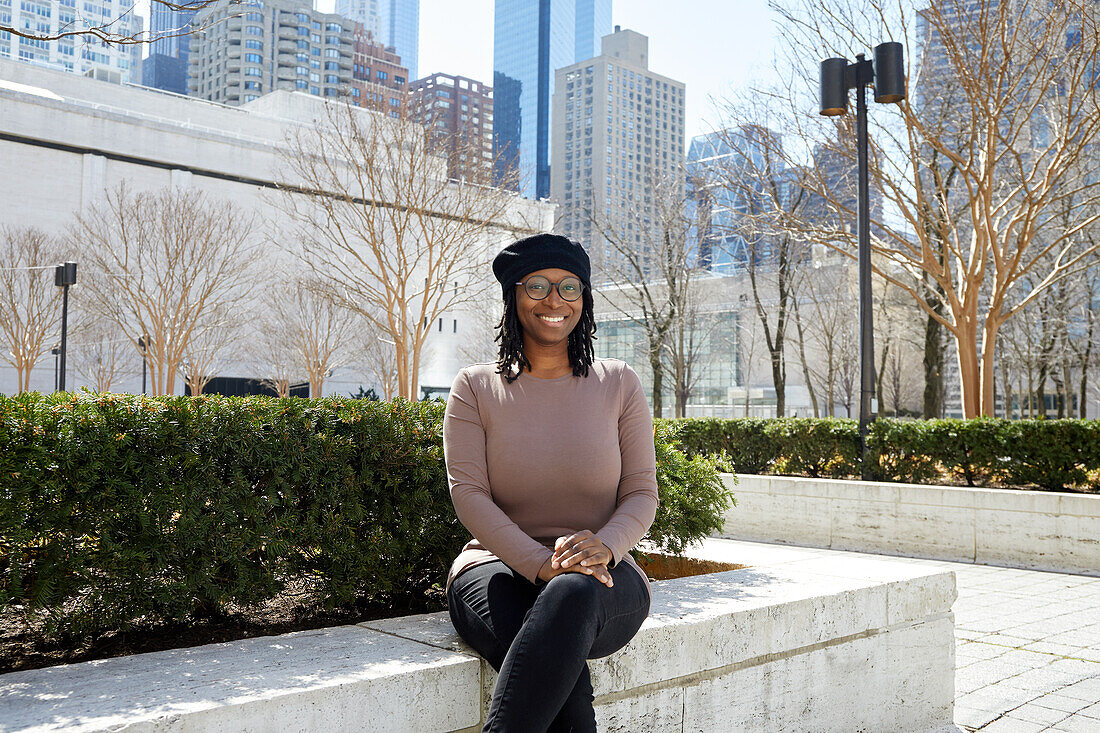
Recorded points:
(551, 467)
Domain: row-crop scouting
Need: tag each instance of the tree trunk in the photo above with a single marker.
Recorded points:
(969, 369)
(933, 368)
(802, 357)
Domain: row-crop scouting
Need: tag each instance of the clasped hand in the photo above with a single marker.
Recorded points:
(581, 552)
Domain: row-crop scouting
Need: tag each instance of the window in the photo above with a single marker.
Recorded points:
(302, 18)
(331, 66)
(316, 25)
(333, 28)
(315, 91)
(382, 75)
(301, 84)
(301, 70)
(252, 85)
(331, 53)
(332, 79)
(253, 71)
(252, 58)
(254, 30)
(303, 32)
(315, 77)
(258, 45)
(332, 40)
(258, 17)
(303, 45)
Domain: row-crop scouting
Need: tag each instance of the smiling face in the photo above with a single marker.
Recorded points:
(547, 322)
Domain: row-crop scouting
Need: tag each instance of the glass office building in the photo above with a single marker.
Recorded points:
(532, 39)
(393, 23)
(166, 65)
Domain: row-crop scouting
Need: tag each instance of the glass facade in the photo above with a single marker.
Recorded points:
(400, 25)
(726, 244)
(532, 39)
(715, 370)
(166, 66)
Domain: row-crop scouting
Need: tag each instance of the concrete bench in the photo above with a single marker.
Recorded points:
(861, 644)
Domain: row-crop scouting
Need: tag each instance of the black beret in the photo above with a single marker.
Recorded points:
(539, 252)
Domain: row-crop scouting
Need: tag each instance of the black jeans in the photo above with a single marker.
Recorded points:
(538, 638)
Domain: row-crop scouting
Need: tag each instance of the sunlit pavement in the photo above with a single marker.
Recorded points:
(1027, 642)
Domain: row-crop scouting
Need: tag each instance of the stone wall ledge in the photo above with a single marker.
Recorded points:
(761, 648)
(1039, 530)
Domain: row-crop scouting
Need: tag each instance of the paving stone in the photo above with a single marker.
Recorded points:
(974, 718)
(1076, 724)
(1085, 690)
(1061, 703)
(1035, 713)
(1012, 725)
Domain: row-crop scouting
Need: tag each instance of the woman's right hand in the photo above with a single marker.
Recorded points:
(599, 572)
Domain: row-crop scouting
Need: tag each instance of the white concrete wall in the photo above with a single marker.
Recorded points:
(1027, 529)
(63, 131)
(862, 644)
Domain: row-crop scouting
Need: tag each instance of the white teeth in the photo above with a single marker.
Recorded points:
(553, 319)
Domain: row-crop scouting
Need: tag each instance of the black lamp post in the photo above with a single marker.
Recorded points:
(63, 277)
(837, 77)
(143, 344)
(55, 351)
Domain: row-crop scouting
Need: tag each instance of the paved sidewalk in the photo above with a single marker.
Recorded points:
(1027, 651)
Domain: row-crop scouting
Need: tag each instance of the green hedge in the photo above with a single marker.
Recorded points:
(116, 509)
(1056, 455)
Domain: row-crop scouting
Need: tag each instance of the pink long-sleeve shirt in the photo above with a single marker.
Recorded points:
(538, 459)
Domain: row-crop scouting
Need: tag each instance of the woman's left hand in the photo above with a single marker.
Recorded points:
(583, 547)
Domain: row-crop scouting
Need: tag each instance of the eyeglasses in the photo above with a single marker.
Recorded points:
(538, 287)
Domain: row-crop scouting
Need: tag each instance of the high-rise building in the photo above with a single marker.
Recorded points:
(275, 44)
(379, 81)
(166, 65)
(459, 113)
(86, 54)
(618, 135)
(400, 22)
(393, 23)
(364, 12)
(532, 39)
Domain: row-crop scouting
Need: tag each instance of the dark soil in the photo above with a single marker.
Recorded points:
(23, 643)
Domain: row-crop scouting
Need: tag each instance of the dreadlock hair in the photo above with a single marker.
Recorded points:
(510, 336)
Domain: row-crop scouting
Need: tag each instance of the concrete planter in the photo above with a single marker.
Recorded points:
(861, 644)
(1027, 529)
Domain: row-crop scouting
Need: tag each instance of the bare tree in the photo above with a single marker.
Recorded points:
(649, 267)
(771, 198)
(160, 264)
(30, 303)
(379, 219)
(99, 352)
(208, 349)
(1018, 140)
(315, 326)
(120, 29)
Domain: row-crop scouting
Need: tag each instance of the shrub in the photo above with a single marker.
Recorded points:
(116, 509)
(693, 498)
(1051, 454)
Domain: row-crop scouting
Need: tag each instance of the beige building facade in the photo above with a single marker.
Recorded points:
(617, 129)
